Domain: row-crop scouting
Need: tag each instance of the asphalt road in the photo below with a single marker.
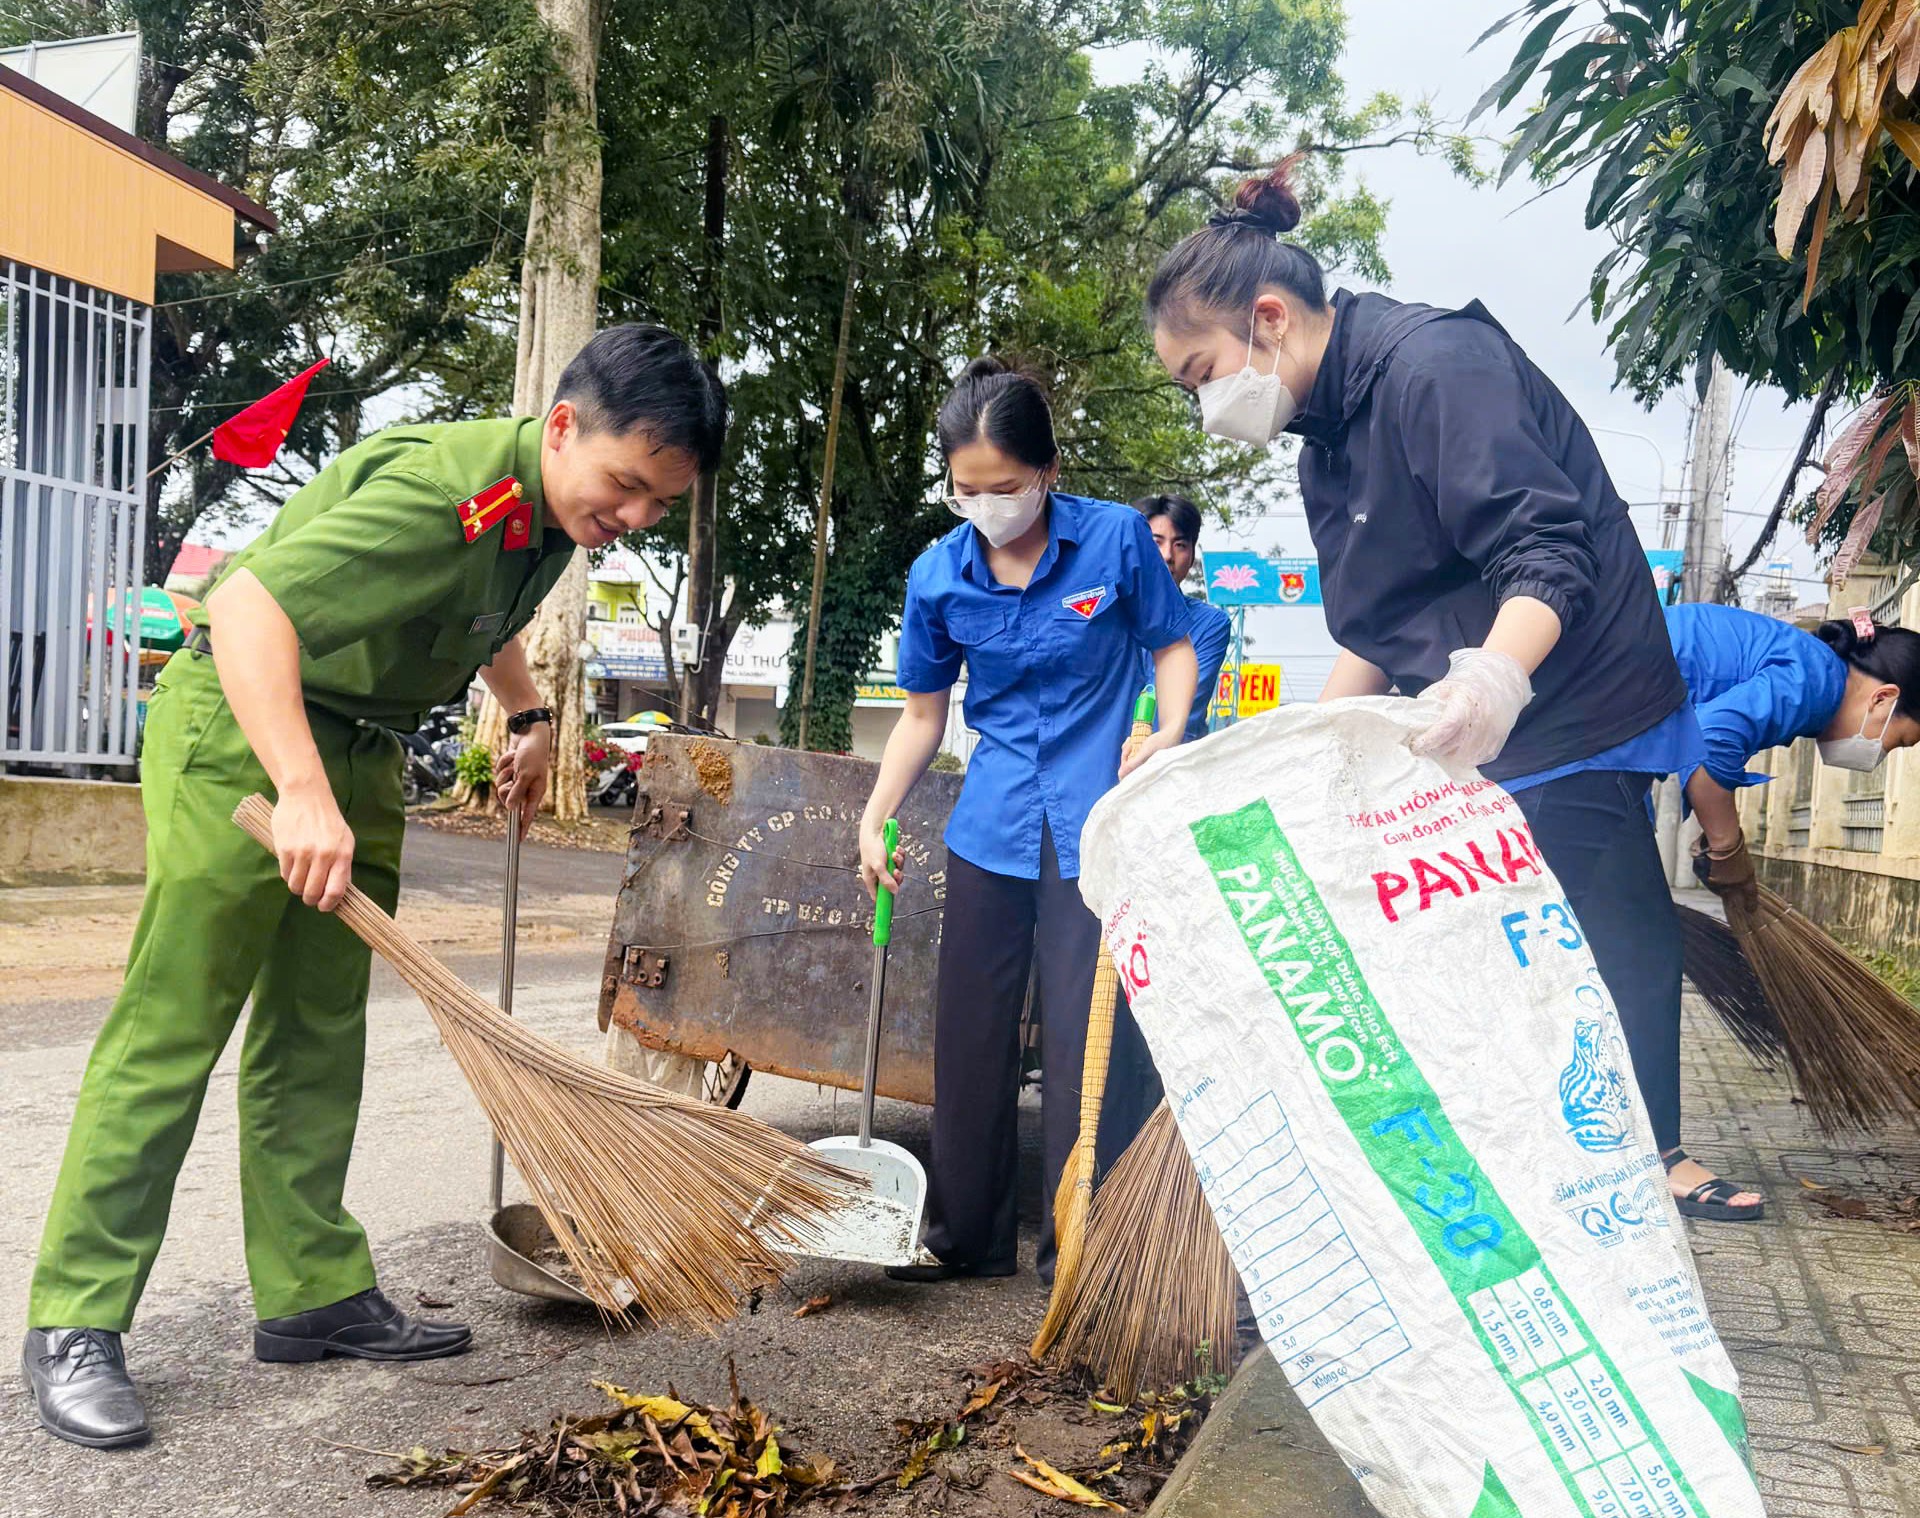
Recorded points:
(234, 1437)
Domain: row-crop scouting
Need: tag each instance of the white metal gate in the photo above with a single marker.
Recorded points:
(73, 460)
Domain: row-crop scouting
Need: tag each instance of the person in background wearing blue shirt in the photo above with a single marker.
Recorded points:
(1758, 683)
(1044, 596)
(1175, 522)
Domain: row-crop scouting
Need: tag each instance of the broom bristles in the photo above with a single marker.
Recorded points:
(1074, 1195)
(682, 1203)
(1853, 1041)
(1720, 971)
(1153, 1303)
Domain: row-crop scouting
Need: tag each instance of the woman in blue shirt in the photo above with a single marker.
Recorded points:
(1758, 683)
(1044, 597)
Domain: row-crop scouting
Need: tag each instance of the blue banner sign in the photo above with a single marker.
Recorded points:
(1253, 579)
(1667, 565)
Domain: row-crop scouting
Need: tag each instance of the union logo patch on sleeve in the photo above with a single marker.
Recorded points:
(499, 502)
(1086, 602)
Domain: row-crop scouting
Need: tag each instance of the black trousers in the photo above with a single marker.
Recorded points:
(1594, 830)
(996, 930)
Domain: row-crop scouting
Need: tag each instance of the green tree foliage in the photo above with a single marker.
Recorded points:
(999, 199)
(1665, 104)
(390, 141)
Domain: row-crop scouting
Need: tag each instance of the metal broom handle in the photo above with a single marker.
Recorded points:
(510, 919)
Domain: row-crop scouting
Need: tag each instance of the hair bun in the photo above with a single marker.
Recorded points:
(984, 367)
(1268, 200)
(1840, 635)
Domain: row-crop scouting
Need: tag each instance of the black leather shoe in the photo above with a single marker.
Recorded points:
(921, 1275)
(80, 1385)
(366, 1327)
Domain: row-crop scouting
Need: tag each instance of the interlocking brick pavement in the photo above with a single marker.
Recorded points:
(1821, 1314)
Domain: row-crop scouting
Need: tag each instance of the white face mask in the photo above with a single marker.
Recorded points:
(1247, 407)
(1000, 518)
(1858, 752)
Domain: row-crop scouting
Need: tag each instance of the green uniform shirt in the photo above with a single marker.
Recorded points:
(394, 608)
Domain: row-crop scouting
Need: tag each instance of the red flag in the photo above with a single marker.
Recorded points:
(252, 438)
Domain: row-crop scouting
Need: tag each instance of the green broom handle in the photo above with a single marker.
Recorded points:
(882, 897)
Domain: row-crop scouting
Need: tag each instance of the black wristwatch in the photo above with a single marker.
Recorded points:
(519, 722)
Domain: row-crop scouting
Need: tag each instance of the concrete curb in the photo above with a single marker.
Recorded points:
(60, 832)
(1258, 1455)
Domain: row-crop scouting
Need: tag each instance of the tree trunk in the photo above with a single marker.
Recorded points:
(559, 284)
(700, 686)
(834, 399)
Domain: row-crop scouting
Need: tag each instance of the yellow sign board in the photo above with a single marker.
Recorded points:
(893, 695)
(1259, 689)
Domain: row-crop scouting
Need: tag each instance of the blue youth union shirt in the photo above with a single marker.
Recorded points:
(1052, 672)
(1211, 630)
(1755, 682)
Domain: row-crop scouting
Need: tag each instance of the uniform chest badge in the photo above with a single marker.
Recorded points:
(1086, 602)
(500, 502)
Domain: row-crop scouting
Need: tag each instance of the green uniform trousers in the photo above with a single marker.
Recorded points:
(218, 923)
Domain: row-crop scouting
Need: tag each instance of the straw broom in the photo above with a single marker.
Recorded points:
(1153, 1303)
(645, 1191)
(1721, 973)
(1853, 1041)
(1074, 1196)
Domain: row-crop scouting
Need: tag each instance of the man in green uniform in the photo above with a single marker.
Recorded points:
(410, 562)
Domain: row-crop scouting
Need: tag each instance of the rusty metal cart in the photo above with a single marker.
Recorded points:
(742, 935)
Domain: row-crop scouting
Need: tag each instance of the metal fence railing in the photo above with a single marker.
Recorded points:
(73, 459)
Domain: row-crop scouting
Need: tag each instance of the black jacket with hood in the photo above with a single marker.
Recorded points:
(1443, 474)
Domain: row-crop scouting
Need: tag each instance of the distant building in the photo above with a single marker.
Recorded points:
(627, 672)
(195, 567)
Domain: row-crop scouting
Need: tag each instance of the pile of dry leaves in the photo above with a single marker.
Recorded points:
(658, 1454)
(1131, 1450)
(645, 1455)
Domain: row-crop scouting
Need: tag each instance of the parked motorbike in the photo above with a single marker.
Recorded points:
(427, 768)
(617, 786)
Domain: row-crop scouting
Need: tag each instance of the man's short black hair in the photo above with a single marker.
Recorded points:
(634, 377)
(1177, 509)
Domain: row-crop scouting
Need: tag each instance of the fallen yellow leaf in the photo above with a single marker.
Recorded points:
(663, 1410)
(1057, 1483)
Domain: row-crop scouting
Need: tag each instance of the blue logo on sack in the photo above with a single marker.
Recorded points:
(1594, 1097)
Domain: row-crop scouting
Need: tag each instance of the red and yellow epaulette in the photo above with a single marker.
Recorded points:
(499, 502)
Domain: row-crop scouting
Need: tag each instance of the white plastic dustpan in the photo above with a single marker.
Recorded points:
(880, 1226)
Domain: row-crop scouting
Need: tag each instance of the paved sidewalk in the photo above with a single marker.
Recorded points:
(1819, 1310)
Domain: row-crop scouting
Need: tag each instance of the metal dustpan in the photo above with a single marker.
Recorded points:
(880, 1226)
(518, 1237)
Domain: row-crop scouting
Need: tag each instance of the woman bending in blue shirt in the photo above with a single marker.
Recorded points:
(1044, 597)
(1758, 683)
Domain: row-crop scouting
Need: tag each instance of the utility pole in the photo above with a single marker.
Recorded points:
(1709, 471)
(1707, 483)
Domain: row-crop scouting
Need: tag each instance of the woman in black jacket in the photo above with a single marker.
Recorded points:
(1472, 549)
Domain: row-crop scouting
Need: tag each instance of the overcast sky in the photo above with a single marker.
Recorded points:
(1530, 260)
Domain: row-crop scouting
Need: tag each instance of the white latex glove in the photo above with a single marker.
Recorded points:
(1481, 698)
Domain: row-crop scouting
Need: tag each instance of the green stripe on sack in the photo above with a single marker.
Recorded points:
(1494, 1501)
(1726, 1411)
(1590, 1425)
